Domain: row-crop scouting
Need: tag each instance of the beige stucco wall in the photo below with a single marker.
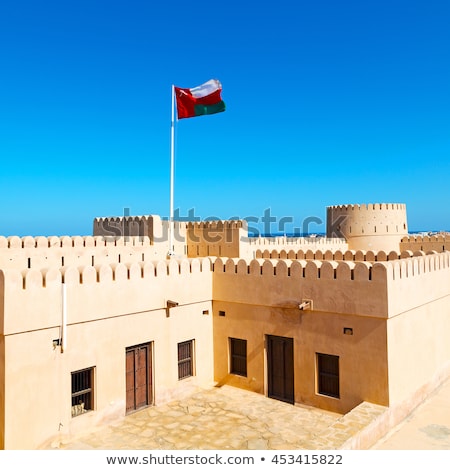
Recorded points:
(108, 310)
(368, 226)
(2, 389)
(362, 356)
(419, 322)
(265, 301)
(216, 238)
(147, 226)
(44, 252)
(117, 287)
(426, 243)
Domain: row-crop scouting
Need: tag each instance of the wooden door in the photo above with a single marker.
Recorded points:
(138, 377)
(280, 368)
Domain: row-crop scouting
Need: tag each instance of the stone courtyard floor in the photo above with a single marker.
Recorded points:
(228, 418)
(225, 418)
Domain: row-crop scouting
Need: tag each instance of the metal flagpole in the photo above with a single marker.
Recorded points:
(172, 161)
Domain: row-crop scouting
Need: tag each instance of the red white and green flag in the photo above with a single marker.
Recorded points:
(201, 100)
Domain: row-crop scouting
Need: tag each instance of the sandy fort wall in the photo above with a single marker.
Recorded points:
(222, 238)
(397, 312)
(368, 226)
(338, 255)
(419, 322)
(262, 297)
(426, 243)
(44, 252)
(110, 307)
(151, 226)
(225, 238)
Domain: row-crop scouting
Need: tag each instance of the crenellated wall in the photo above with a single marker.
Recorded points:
(45, 252)
(110, 307)
(338, 255)
(426, 243)
(262, 297)
(225, 238)
(368, 226)
(379, 301)
(260, 244)
(419, 323)
(151, 226)
(344, 287)
(396, 309)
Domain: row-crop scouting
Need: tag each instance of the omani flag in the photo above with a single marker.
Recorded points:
(201, 100)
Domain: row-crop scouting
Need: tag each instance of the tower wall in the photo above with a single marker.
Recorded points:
(368, 226)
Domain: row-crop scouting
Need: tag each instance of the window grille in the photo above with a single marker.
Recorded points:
(328, 375)
(185, 364)
(82, 391)
(238, 356)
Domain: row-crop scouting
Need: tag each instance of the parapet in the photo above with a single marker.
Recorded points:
(436, 242)
(337, 255)
(86, 274)
(15, 242)
(306, 269)
(217, 224)
(369, 207)
(143, 225)
(368, 226)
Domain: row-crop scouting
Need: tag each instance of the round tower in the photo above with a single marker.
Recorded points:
(368, 226)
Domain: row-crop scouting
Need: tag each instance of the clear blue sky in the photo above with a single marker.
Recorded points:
(328, 102)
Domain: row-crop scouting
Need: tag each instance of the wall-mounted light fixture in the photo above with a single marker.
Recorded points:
(305, 305)
(170, 304)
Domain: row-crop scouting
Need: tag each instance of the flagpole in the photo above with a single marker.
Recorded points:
(172, 162)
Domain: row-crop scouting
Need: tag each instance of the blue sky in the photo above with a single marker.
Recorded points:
(327, 103)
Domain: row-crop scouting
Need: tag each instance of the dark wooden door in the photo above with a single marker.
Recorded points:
(280, 368)
(138, 377)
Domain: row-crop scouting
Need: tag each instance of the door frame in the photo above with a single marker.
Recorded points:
(286, 397)
(150, 377)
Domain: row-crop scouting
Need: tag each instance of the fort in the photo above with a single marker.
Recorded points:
(93, 328)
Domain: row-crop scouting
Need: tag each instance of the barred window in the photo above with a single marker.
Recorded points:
(185, 359)
(238, 356)
(328, 375)
(82, 391)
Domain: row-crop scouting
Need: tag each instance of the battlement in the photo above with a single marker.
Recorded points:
(307, 269)
(438, 242)
(338, 255)
(217, 224)
(298, 241)
(368, 226)
(33, 298)
(369, 207)
(34, 278)
(341, 286)
(314, 265)
(15, 242)
(417, 265)
(123, 226)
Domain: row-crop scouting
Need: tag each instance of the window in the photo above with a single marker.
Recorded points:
(328, 375)
(82, 391)
(238, 356)
(185, 363)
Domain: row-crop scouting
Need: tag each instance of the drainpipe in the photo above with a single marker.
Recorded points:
(64, 317)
